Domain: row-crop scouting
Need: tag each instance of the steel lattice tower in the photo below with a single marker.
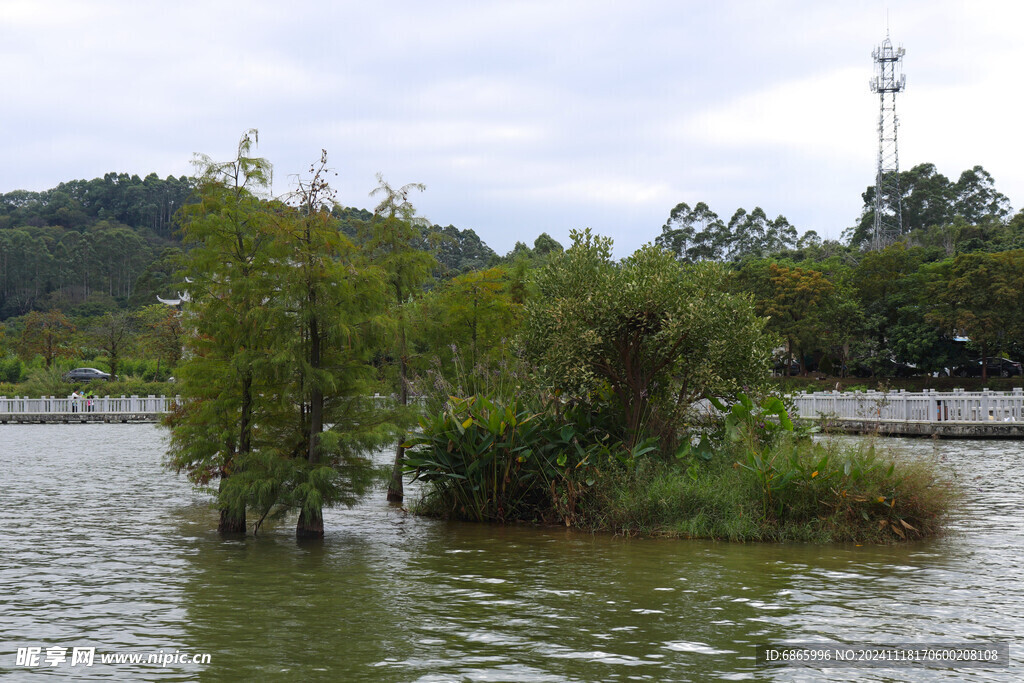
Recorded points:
(887, 82)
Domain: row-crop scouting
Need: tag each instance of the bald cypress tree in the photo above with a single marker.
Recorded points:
(393, 246)
(228, 260)
(284, 315)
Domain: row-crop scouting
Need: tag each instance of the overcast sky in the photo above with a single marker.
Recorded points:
(520, 117)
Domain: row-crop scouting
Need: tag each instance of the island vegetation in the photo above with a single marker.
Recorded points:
(552, 384)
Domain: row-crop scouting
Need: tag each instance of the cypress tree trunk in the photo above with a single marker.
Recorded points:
(310, 525)
(396, 487)
(231, 521)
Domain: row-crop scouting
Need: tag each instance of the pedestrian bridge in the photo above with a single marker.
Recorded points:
(53, 410)
(957, 413)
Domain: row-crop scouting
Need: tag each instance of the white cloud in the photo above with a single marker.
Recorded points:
(537, 114)
(826, 114)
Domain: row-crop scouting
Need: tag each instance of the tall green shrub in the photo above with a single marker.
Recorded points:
(660, 333)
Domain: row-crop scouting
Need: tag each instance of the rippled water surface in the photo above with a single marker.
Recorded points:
(100, 547)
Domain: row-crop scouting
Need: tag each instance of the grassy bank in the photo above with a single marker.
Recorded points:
(805, 492)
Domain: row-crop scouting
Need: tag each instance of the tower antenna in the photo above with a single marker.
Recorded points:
(888, 81)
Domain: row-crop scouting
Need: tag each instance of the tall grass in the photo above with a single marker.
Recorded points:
(831, 493)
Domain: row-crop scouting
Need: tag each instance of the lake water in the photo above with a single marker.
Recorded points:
(100, 547)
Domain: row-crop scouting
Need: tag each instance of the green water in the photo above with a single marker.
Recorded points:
(100, 547)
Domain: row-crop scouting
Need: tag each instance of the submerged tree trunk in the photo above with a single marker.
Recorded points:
(396, 487)
(232, 521)
(310, 525)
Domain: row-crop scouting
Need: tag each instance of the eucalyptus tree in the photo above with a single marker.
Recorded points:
(693, 234)
(392, 245)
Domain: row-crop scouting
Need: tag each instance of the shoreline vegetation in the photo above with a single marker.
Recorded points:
(752, 477)
(597, 422)
(559, 385)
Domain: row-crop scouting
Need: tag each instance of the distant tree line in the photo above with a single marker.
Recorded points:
(87, 248)
(955, 273)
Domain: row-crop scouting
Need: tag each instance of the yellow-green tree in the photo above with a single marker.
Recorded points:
(981, 295)
(46, 334)
(795, 302)
(473, 316)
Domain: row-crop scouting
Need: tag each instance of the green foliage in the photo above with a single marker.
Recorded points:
(661, 334)
(12, 370)
(47, 335)
(283, 319)
(477, 457)
(474, 313)
(825, 492)
(982, 295)
(930, 199)
(756, 424)
(487, 459)
(856, 494)
(391, 244)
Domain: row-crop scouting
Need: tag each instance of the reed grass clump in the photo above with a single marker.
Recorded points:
(805, 491)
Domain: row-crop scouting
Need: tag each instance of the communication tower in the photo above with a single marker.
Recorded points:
(888, 81)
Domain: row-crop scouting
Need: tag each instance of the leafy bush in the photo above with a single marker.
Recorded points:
(660, 333)
(487, 459)
(46, 382)
(12, 370)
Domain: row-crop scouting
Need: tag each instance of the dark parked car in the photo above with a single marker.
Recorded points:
(86, 375)
(885, 368)
(780, 368)
(997, 367)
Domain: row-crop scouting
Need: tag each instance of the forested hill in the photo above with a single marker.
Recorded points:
(92, 245)
(143, 204)
(88, 241)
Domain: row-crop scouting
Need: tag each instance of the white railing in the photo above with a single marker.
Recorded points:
(899, 406)
(929, 406)
(51, 405)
